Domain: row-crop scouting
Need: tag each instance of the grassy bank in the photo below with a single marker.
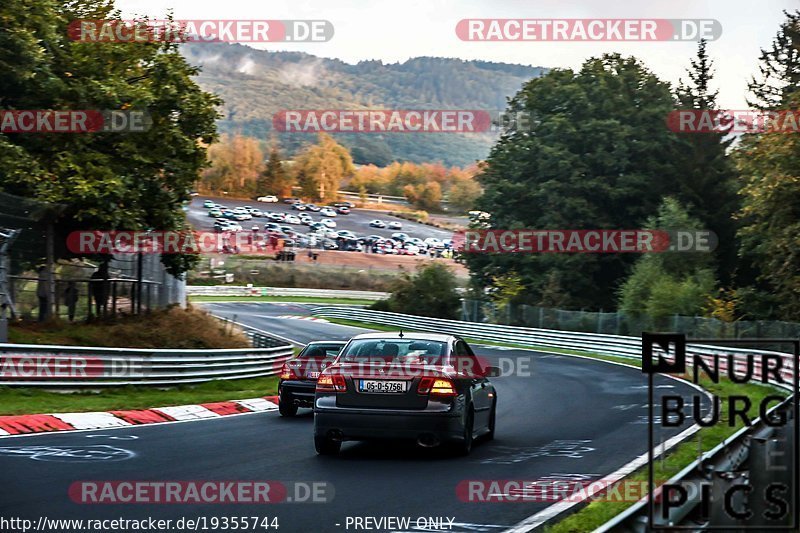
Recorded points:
(263, 273)
(15, 401)
(170, 328)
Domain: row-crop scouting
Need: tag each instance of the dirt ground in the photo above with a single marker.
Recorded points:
(375, 261)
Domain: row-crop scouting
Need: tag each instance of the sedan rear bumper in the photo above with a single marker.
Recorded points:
(297, 392)
(361, 424)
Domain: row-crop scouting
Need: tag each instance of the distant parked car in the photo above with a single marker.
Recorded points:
(395, 225)
(291, 200)
(299, 206)
(433, 242)
(327, 212)
(328, 223)
(342, 210)
(330, 244)
(312, 207)
(292, 219)
(400, 236)
(214, 212)
(349, 205)
(208, 204)
(377, 224)
(270, 199)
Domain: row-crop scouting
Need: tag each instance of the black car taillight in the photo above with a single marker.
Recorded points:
(287, 372)
(436, 387)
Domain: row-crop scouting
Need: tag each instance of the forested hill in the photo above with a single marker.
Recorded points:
(255, 84)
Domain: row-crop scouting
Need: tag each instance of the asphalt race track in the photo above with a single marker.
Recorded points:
(572, 417)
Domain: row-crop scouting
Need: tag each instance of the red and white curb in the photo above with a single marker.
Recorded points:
(23, 424)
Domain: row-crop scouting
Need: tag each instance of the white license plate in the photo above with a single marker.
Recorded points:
(368, 385)
(313, 375)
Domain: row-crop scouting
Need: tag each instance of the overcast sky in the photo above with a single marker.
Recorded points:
(394, 31)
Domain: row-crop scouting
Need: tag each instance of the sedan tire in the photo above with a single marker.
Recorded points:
(286, 408)
(326, 446)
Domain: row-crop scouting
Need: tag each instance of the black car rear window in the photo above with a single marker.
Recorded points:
(320, 350)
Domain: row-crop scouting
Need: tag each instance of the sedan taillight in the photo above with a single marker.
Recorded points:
(436, 386)
(287, 373)
(331, 383)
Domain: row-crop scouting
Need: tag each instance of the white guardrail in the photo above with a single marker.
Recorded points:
(242, 290)
(618, 345)
(35, 365)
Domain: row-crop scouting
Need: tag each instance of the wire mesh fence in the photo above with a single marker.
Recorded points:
(621, 323)
(39, 281)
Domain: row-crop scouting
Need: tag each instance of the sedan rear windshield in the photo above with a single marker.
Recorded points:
(411, 351)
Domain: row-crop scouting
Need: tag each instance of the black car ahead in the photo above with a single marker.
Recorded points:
(298, 377)
(427, 388)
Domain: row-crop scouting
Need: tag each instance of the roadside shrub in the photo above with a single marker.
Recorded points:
(430, 291)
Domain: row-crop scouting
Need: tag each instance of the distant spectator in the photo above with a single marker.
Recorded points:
(42, 293)
(71, 299)
(98, 288)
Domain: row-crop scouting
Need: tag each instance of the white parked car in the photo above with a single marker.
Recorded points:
(395, 225)
(268, 199)
(433, 242)
(292, 219)
(377, 224)
(328, 223)
(327, 212)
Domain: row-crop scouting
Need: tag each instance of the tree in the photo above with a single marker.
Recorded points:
(593, 157)
(105, 180)
(462, 194)
(708, 178)
(780, 67)
(431, 291)
(668, 283)
(274, 179)
(768, 166)
(321, 167)
(427, 196)
(770, 232)
(236, 164)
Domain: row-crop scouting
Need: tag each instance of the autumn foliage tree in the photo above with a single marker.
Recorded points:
(236, 163)
(275, 179)
(321, 167)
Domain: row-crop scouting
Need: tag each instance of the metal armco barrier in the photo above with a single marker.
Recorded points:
(239, 290)
(742, 454)
(618, 345)
(31, 365)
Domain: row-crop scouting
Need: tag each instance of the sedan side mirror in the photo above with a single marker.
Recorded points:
(492, 372)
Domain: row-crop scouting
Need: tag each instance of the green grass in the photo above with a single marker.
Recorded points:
(294, 299)
(14, 401)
